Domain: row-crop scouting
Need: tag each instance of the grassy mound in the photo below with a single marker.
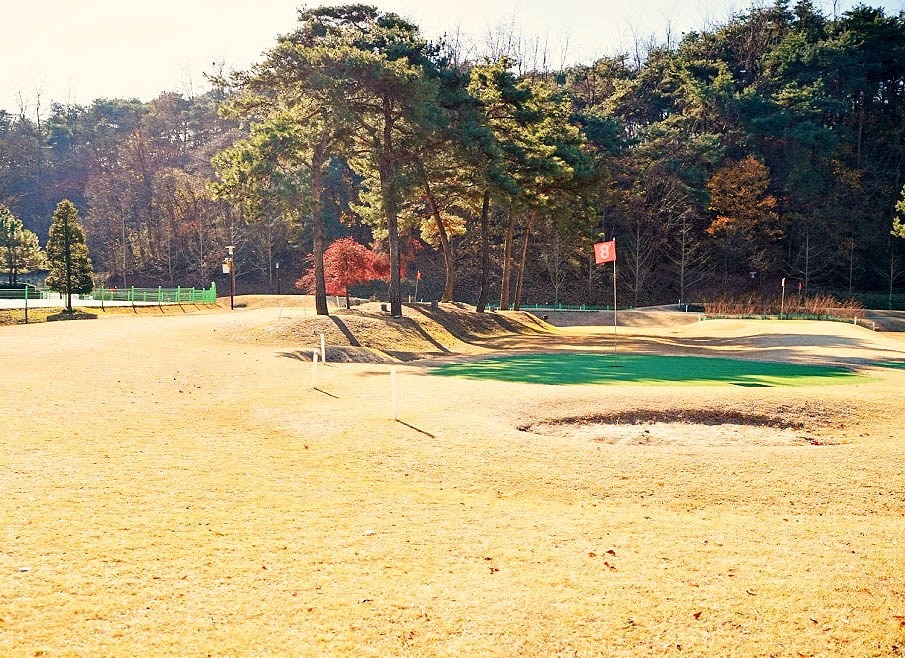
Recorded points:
(420, 332)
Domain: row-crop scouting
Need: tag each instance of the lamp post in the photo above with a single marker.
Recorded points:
(232, 276)
(278, 278)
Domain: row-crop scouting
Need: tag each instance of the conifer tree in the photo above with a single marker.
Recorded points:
(67, 254)
(20, 251)
(898, 222)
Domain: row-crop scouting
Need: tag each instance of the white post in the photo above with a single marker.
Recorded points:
(855, 321)
(323, 350)
(395, 397)
(314, 355)
(782, 305)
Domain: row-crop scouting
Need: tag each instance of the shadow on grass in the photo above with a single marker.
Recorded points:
(577, 368)
(75, 315)
(353, 341)
(412, 427)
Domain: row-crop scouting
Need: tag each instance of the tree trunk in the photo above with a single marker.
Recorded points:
(68, 247)
(851, 265)
(320, 288)
(124, 248)
(444, 240)
(485, 254)
(387, 171)
(507, 263)
(516, 303)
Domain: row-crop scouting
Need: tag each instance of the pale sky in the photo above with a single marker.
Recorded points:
(76, 51)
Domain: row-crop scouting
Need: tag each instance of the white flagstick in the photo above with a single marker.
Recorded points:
(314, 355)
(782, 303)
(395, 397)
(323, 350)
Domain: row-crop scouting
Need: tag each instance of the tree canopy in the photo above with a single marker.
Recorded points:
(771, 142)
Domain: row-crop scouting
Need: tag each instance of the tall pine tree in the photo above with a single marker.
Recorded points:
(67, 254)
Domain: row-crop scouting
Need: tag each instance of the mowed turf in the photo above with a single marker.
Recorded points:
(647, 369)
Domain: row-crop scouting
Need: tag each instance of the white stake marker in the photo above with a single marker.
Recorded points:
(314, 354)
(395, 397)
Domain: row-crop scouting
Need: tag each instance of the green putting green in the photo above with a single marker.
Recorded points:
(647, 369)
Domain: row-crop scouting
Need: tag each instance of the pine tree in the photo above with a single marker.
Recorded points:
(898, 222)
(67, 254)
(20, 251)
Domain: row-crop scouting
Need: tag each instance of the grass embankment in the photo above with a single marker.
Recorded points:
(366, 333)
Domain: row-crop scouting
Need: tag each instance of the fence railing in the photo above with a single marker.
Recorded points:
(562, 307)
(157, 295)
(22, 293)
(852, 319)
(134, 295)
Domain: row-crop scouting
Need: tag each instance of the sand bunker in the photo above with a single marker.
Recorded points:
(690, 428)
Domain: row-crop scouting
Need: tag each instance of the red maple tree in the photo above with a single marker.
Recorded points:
(407, 251)
(346, 263)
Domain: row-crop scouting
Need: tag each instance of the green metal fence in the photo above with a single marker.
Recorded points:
(157, 295)
(854, 319)
(22, 293)
(563, 307)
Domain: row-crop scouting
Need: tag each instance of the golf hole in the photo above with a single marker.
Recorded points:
(685, 428)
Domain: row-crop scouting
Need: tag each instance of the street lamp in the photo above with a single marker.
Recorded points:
(232, 276)
(278, 278)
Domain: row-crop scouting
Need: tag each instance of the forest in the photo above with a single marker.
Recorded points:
(770, 146)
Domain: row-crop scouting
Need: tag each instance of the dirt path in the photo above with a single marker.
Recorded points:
(169, 490)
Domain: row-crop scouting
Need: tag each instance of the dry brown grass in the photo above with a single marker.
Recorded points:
(42, 314)
(757, 304)
(169, 492)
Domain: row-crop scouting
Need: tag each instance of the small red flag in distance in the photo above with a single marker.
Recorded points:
(605, 252)
(419, 275)
(799, 286)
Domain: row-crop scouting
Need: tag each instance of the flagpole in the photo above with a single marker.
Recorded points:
(614, 300)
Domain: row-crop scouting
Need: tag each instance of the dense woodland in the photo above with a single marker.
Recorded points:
(773, 144)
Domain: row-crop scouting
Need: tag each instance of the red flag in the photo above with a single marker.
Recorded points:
(605, 252)
(418, 276)
(799, 286)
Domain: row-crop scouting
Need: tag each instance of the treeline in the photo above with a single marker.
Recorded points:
(773, 145)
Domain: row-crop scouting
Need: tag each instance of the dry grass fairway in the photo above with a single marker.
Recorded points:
(172, 486)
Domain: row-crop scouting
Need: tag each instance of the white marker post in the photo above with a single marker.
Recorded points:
(394, 396)
(323, 350)
(314, 354)
(782, 304)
